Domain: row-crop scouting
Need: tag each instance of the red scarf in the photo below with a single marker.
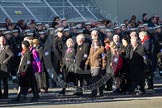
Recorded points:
(23, 51)
(144, 39)
(107, 47)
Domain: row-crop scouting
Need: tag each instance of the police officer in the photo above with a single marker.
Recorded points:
(58, 50)
(16, 48)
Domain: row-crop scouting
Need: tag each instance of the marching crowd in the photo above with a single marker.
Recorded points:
(82, 53)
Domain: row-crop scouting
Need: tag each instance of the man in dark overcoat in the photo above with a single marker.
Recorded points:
(6, 56)
(81, 57)
(136, 75)
(58, 50)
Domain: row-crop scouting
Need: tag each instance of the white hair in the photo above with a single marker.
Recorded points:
(94, 32)
(80, 37)
(116, 36)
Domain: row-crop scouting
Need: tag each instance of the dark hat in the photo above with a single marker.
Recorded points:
(59, 29)
(15, 31)
(122, 25)
(74, 27)
(141, 26)
(51, 28)
(133, 29)
(39, 23)
(145, 24)
(88, 23)
(63, 19)
(26, 43)
(67, 29)
(41, 33)
(116, 28)
(27, 31)
(2, 29)
(7, 32)
(144, 14)
(157, 27)
(80, 31)
(93, 29)
(101, 27)
(29, 34)
(108, 30)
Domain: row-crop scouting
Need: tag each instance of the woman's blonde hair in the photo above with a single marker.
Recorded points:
(143, 33)
(35, 41)
(70, 40)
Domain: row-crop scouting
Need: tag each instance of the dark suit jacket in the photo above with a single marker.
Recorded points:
(6, 56)
(26, 67)
(82, 55)
(26, 64)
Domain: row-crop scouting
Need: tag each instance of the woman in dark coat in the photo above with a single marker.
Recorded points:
(137, 72)
(125, 54)
(69, 64)
(26, 74)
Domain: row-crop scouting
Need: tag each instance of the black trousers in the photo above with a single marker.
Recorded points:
(149, 78)
(24, 89)
(134, 85)
(5, 85)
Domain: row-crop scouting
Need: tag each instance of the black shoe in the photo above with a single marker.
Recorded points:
(78, 93)
(150, 88)
(4, 97)
(93, 95)
(108, 89)
(62, 92)
(139, 94)
(34, 99)
(16, 100)
(101, 94)
(117, 91)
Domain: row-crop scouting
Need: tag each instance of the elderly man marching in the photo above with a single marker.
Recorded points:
(97, 62)
(82, 53)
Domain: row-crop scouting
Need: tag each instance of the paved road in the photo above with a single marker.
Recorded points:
(152, 99)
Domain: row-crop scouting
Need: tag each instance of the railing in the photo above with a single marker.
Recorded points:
(21, 1)
(84, 12)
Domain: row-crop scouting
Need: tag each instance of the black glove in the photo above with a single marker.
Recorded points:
(103, 71)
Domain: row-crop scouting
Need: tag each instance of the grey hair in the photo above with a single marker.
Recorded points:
(80, 37)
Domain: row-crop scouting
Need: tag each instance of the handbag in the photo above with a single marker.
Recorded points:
(72, 68)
